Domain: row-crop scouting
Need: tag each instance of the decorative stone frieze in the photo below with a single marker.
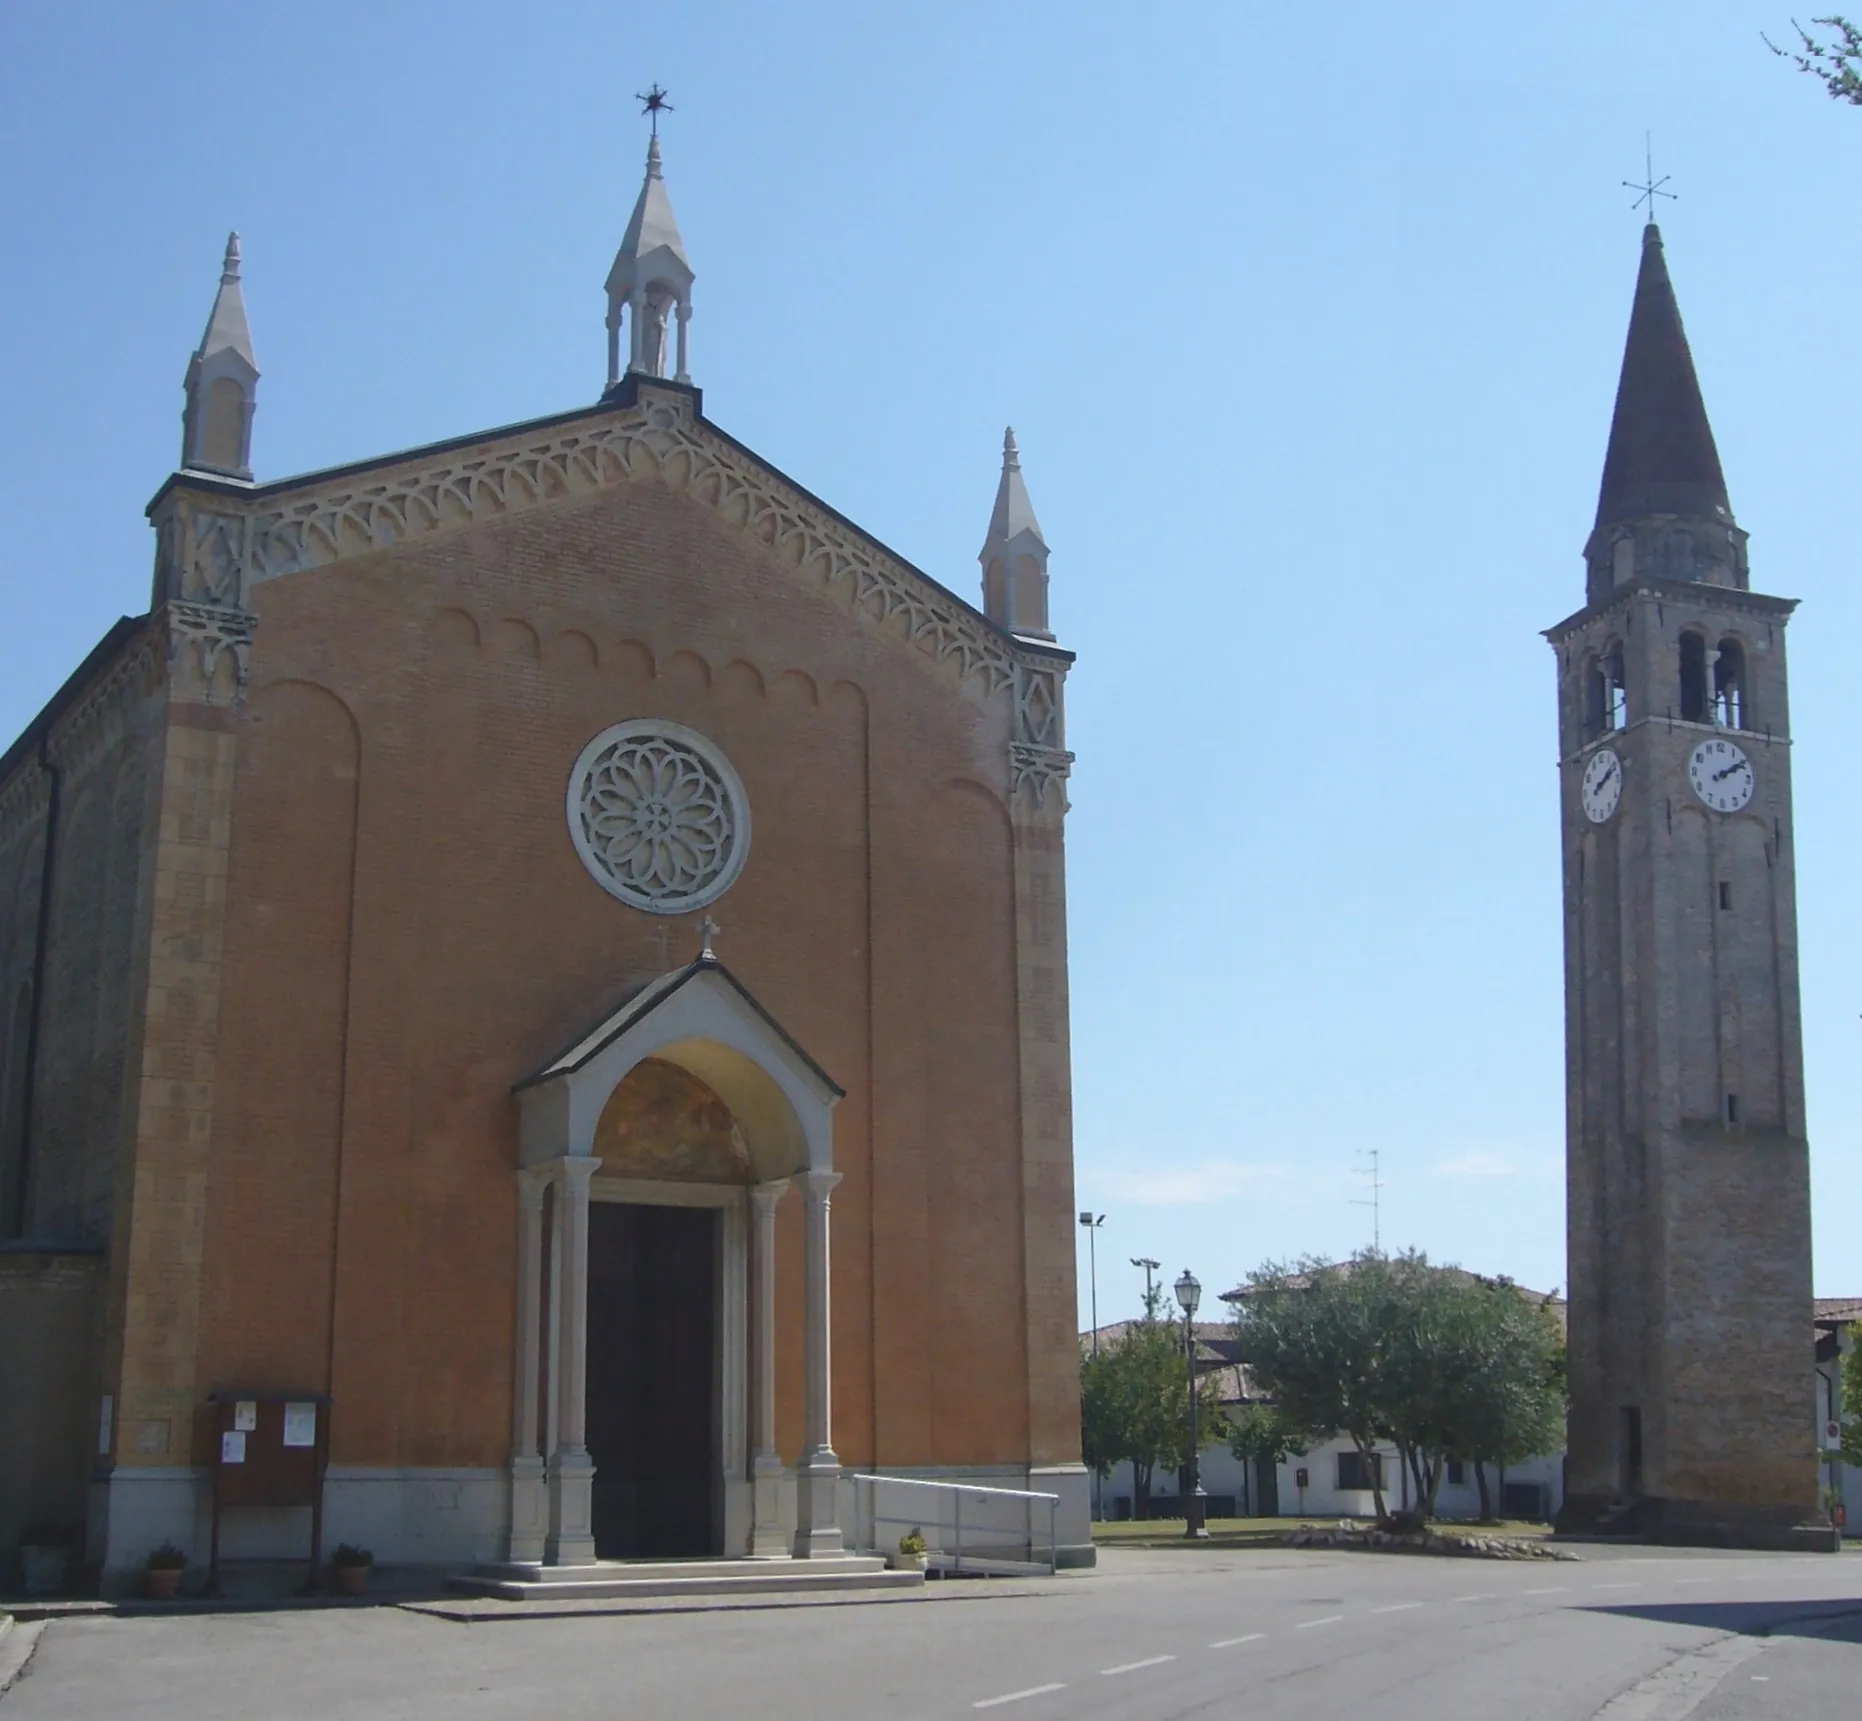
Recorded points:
(199, 635)
(213, 549)
(23, 801)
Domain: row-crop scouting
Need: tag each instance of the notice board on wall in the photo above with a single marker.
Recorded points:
(270, 1449)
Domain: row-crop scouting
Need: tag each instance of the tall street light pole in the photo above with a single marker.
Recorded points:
(1092, 1224)
(1092, 1255)
(1149, 1267)
(1196, 1502)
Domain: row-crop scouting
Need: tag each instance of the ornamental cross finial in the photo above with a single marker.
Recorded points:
(708, 929)
(653, 104)
(1650, 188)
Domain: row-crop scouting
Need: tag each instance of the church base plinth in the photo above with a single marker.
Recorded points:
(767, 1540)
(530, 1509)
(571, 1540)
(817, 1506)
(1699, 1524)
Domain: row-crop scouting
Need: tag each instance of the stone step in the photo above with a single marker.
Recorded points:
(619, 1579)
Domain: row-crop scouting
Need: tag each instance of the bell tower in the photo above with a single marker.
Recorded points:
(1692, 1416)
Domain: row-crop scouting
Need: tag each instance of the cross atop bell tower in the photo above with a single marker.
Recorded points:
(1687, 1168)
(651, 278)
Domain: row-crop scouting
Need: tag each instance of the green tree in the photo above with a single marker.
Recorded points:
(1835, 61)
(1851, 1411)
(1260, 1435)
(1435, 1361)
(1135, 1402)
(1507, 1402)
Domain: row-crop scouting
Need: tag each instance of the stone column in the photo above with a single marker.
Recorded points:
(817, 1518)
(685, 317)
(571, 1475)
(766, 1538)
(529, 1492)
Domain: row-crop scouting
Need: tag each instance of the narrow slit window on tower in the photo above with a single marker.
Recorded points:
(1726, 894)
(1729, 685)
(1732, 1108)
(1693, 678)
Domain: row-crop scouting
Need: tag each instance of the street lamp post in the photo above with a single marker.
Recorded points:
(1092, 1225)
(1196, 1502)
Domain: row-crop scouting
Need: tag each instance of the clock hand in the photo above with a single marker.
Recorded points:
(1737, 765)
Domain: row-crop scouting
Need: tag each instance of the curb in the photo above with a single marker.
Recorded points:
(17, 1642)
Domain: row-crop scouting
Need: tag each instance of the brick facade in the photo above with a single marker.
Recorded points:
(339, 915)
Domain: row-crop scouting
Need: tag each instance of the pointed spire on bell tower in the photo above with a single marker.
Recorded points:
(1662, 507)
(222, 383)
(652, 276)
(1014, 554)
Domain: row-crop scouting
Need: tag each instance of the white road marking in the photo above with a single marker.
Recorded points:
(1397, 1607)
(1230, 1642)
(1693, 1580)
(1308, 1624)
(1634, 1586)
(1554, 1590)
(1485, 1595)
(1133, 1666)
(1017, 1696)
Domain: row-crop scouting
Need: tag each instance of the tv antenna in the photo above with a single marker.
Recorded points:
(1374, 1201)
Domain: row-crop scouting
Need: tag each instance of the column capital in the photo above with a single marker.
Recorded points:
(817, 1183)
(765, 1195)
(531, 1183)
(573, 1170)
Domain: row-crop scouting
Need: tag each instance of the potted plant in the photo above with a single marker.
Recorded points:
(911, 1554)
(161, 1572)
(351, 1567)
(44, 1558)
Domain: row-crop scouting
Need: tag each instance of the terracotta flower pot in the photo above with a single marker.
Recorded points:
(161, 1583)
(352, 1580)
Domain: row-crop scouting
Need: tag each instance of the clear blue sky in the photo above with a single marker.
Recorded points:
(1308, 320)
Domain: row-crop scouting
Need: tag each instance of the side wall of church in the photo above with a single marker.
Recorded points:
(409, 932)
(71, 958)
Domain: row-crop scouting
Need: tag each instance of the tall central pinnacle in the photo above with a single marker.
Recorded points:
(1662, 458)
(651, 279)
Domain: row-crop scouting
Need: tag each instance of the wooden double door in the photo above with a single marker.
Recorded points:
(652, 1393)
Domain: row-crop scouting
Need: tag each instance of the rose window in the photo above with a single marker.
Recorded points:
(658, 816)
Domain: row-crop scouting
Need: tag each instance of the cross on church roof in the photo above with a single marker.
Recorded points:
(708, 929)
(653, 104)
(1650, 187)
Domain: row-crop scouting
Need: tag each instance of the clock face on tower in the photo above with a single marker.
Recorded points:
(1603, 785)
(1722, 775)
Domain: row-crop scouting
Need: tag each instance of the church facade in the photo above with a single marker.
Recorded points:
(1692, 1415)
(551, 948)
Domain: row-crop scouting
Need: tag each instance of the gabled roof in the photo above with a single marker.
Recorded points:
(641, 1002)
(1661, 458)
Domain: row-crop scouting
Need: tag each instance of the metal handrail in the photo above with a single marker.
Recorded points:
(957, 1490)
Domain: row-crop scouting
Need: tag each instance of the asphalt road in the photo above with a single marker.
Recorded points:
(1629, 1635)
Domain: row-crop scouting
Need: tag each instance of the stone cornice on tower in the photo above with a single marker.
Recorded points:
(1722, 599)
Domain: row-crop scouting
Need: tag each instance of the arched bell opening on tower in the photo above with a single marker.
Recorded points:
(1693, 678)
(1606, 701)
(1729, 685)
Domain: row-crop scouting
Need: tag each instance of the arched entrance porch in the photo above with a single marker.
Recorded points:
(698, 1038)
